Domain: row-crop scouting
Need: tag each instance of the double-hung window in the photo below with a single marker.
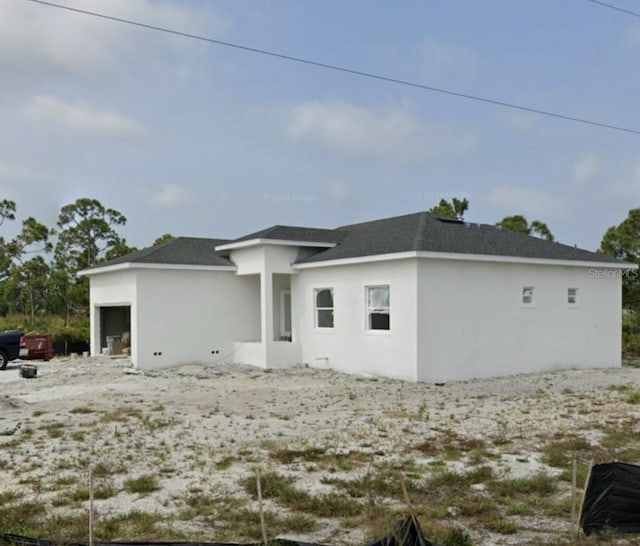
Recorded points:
(378, 307)
(572, 296)
(323, 303)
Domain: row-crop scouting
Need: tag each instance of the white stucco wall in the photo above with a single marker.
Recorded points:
(349, 346)
(118, 288)
(472, 323)
(255, 259)
(187, 314)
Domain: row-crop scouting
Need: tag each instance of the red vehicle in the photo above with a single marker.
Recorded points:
(36, 347)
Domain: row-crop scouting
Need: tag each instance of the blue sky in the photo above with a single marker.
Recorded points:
(195, 139)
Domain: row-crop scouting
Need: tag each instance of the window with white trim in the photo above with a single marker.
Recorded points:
(378, 307)
(572, 296)
(323, 305)
(527, 295)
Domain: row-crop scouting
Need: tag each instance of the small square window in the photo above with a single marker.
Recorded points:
(378, 308)
(572, 296)
(323, 304)
(527, 295)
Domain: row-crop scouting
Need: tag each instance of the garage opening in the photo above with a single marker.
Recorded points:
(115, 330)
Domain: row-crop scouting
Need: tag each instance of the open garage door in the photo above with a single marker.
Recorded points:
(115, 329)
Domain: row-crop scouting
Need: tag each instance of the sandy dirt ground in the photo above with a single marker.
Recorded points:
(206, 428)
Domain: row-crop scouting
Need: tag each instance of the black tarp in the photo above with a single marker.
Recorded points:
(406, 532)
(612, 499)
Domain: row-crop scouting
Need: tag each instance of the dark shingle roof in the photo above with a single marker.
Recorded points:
(181, 250)
(425, 232)
(409, 233)
(294, 233)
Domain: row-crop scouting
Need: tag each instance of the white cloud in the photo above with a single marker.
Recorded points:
(586, 168)
(519, 200)
(82, 118)
(171, 196)
(439, 59)
(358, 132)
(58, 39)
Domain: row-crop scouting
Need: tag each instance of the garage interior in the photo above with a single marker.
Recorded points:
(115, 330)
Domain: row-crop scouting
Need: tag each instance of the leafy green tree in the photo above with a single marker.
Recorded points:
(450, 209)
(7, 212)
(86, 231)
(623, 242)
(32, 239)
(519, 223)
(29, 282)
(165, 238)
(23, 280)
(121, 248)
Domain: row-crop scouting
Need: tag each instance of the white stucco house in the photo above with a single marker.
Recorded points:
(414, 297)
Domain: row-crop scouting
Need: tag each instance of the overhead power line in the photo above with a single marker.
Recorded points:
(346, 70)
(614, 7)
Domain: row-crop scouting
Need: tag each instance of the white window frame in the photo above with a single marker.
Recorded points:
(528, 296)
(370, 310)
(575, 296)
(317, 309)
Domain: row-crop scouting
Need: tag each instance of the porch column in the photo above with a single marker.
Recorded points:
(266, 307)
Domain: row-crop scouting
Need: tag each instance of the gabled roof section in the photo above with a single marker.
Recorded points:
(177, 251)
(314, 237)
(419, 232)
(424, 232)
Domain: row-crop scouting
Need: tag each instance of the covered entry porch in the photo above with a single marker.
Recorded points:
(277, 346)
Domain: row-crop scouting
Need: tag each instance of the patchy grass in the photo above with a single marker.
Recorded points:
(54, 430)
(537, 484)
(381, 481)
(233, 520)
(121, 415)
(498, 524)
(142, 485)
(333, 462)
(107, 469)
(82, 410)
(225, 462)
(100, 492)
(288, 456)
(282, 489)
(360, 470)
(560, 452)
(142, 525)
(7, 497)
(633, 397)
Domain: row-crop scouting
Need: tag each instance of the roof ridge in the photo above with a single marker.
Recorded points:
(422, 223)
(348, 227)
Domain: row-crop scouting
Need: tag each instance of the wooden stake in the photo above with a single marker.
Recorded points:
(407, 499)
(584, 494)
(90, 505)
(262, 525)
(574, 495)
